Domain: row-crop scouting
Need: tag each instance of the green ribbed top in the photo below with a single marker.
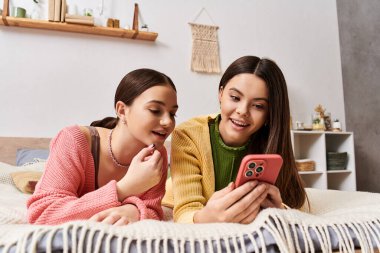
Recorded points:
(226, 159)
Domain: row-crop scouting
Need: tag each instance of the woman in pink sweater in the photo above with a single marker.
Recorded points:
(113, 171)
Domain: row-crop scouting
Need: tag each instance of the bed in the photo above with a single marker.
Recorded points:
(340, 222)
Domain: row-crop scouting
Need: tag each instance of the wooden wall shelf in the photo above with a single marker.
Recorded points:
(97, 30)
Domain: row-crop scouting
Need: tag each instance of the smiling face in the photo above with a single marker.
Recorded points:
(151, 116)
(244, 108)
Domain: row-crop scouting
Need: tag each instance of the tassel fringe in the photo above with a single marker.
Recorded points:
(341, 221)
(205, 50)
(95, 237)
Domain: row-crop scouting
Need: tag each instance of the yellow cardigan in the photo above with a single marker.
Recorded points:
(191, 168)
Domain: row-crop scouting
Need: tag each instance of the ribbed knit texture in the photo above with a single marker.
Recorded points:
(67, 192)
(226, 159)
(192, 181)
(191, 168)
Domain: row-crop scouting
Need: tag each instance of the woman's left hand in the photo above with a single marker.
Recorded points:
(118, 216)
(273, 198)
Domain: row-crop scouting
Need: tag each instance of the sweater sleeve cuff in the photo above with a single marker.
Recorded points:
(107, 195)
(187, 217)
(139, 204)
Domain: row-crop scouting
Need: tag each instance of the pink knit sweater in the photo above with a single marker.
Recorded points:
(66, 191)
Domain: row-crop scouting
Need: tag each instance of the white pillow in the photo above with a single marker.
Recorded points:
(6, 169)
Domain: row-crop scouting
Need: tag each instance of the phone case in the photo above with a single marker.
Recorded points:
(263, 167)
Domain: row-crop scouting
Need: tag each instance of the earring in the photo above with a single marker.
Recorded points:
(124, 122)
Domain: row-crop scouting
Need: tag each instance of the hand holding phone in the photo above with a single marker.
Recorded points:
(261, 167)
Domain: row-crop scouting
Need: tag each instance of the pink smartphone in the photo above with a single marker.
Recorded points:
(263, 167)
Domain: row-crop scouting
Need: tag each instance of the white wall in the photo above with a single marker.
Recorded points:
(52, 79)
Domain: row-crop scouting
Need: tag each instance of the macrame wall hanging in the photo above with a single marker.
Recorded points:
(205, 50)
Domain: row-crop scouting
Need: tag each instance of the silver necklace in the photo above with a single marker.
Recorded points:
(111, 153)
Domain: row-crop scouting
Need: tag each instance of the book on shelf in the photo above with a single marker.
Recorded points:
(51, 10)
(70, 16)
(79, 21)
(57, 10)
(63, 10)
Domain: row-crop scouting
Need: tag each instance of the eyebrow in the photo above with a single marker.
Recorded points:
(160, 103)
(241, 93)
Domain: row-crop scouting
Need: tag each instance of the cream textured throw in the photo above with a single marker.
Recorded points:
(205, 52)
(336, 211)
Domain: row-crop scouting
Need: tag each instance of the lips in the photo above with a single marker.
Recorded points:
(239, 123)
(161, 134)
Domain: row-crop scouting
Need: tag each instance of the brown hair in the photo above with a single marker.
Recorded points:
(131, 86)
(274, 137)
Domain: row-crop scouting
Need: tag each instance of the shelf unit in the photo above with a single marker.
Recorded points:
(314, 145)
(64, 27)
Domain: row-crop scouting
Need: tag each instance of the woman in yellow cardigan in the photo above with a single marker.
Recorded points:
(207, 151)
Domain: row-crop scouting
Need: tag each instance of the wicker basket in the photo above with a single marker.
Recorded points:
(336, 160)
(305, 165)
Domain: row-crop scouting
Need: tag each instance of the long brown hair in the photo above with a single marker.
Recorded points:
(130, 87)
(274, 137)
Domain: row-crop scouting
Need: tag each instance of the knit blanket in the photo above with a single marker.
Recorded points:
(339, 220)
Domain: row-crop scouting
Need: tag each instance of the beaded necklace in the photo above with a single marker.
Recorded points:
(111, 153)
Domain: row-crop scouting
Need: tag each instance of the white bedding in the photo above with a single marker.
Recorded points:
(12, 201)
(339, 220)
(12, 205)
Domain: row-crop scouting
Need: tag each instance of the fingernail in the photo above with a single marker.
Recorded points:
(152, 146)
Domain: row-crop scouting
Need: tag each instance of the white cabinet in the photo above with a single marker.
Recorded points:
(314, 145)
